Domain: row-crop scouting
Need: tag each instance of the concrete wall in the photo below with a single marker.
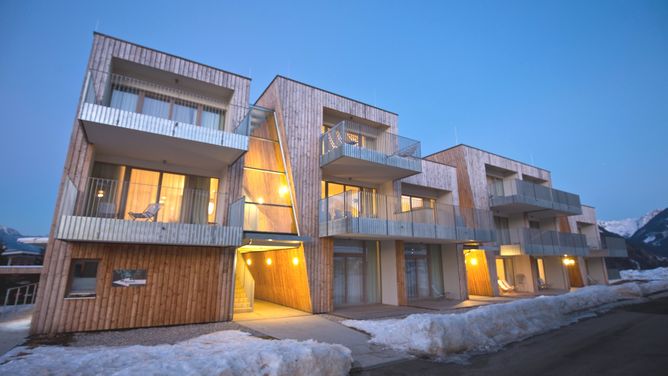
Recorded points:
(454, 271)
(555, 273)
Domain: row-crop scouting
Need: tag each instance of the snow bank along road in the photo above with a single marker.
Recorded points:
(229, 352)
(489, 328)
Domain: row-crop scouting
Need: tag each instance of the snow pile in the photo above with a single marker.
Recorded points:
(222, 353)
(488, 328)
(645, 275)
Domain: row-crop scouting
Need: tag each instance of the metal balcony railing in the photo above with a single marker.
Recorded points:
(521, 191)
(544, 242)
(369, 143)
(358, 212)
(113, 211)
(615, 246)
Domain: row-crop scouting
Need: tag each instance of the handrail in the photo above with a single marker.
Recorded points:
(109, 198)
(536, 192)
(25, 294)
(542, 238)
(385, 216)
(348, 133)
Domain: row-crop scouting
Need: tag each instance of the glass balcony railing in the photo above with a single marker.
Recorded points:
(615, 246)
(518, 194)
(543, 242)
(358, 212)
(370, 144)
(117, 211)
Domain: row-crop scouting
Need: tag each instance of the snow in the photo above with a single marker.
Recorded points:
(645, 275)
(649, 239)
(488, 328)
(627, 227)
(227, 352)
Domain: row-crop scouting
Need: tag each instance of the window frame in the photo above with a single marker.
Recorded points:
(70, 280)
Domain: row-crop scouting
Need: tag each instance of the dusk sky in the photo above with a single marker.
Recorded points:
(577, 87)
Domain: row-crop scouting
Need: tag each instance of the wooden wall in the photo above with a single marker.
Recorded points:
(477, 276)
(50, 311)
(402, 294)
(282, 282)
(299, 110)
(184, 285)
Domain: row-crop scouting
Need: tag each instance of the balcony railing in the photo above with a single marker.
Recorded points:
(371, 214)
(372, 145)
(113, 211)
(616, 247)
(525, 196)
(133, 104)
(543, 242)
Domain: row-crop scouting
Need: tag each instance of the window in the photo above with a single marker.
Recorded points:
(356, 201)
(495, 185)
(534, 225)
(83, 278)
(409, 203)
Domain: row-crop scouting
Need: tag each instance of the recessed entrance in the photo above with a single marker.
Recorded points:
(573, 270)
(270, 283)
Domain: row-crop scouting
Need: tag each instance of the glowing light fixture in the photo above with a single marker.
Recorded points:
(569, 261)
(212, 206)
(268, 261)
(100, 193)
(295, 261)
(283, 190)
(260, 200)
(249, 262)
(474, 261)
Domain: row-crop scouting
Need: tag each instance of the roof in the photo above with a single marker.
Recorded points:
(326, 91)
(167, 53)
(488, 152)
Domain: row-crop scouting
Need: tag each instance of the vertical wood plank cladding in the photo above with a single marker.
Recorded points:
(564, 225)
(282, 282)
(52, 312)
(299, 111)
(477, 276)
(457, 158)
(176, 280)
(402, 297)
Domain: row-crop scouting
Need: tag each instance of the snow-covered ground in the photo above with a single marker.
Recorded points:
(645, 275)
(229, 352)
(488, 328)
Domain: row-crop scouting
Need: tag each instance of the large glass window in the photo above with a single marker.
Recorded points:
(184, 112)
(137, 194)
(155, 106)
(212, 118)
(495, 185)
(424, 271)
(83, 278)
(356, 272)
(124, 99)
(349, 200)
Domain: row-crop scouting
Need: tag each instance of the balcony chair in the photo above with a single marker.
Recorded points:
(149, 214)
(505, 286)
(408, 151)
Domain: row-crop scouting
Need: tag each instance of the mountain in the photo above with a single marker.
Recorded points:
(8, 238)
(653, 236)
(627, 227)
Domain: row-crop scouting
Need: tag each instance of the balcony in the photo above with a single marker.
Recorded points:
(368, 154)
(534, 242)
(522, 196)
(148, 121)
(614, 247)
(355, 214)
(110, 211)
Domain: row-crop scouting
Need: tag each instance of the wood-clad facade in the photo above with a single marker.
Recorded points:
(258, 189)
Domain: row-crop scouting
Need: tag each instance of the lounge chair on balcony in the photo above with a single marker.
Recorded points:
(505, 286)
(149, 214)
(407, 152)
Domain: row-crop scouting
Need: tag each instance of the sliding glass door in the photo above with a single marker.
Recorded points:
(356, 272)
(424, 271)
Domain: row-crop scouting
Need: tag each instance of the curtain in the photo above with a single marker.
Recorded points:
(155, 107)
(184, 113)
(196, 200)
(212, 118)
(124, 100)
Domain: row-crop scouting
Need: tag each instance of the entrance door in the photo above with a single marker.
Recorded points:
(423, 271)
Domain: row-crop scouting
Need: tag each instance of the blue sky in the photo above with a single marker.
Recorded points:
(577, 87)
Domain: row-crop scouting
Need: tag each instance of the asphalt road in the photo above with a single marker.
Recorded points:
(627, 341)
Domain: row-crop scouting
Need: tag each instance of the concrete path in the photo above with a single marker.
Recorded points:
(323, 330)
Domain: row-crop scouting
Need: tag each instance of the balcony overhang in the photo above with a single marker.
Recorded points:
(366, 165)
(538, 208)
(143, 137)
(110, 230)
(380, 229)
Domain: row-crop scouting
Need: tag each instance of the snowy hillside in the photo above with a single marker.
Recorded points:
(627, 227)
(8, 238)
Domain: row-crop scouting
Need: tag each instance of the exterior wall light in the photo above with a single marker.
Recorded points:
(268, 261)
(474, 261)
(249, 261)
(295, 261)
(100, 193)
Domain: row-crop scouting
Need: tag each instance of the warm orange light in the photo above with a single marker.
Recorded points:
(269, 261)
(249, 262)
(100, 193)
(295, 261)
(569, 261)
(474, 261)
(260, 200)
(283, 190)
